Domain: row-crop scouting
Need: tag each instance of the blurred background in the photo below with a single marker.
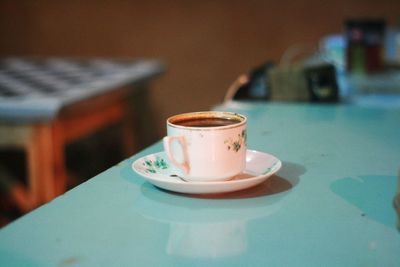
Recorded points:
(204, 45)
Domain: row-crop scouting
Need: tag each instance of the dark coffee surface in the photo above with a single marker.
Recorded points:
(206, 122)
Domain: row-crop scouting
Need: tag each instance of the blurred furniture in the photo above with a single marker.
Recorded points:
(313, 83)
(47, 103)
(302, 74)
(254, 85)
(320, 78)
(365, 87)
(331, 204)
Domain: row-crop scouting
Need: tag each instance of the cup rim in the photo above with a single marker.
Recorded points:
(214, 114)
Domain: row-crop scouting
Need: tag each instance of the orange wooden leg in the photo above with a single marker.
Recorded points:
(41, 158)
(34, 162)
(60, 170)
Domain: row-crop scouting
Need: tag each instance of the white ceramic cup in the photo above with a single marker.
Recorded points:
(207, 145)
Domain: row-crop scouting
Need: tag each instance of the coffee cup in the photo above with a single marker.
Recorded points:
(207, 145)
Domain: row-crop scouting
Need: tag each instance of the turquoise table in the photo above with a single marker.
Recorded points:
(329, 205)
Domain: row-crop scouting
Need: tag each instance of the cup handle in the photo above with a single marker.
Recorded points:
(168, 140)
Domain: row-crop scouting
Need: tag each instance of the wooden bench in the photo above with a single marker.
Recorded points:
(45, 140)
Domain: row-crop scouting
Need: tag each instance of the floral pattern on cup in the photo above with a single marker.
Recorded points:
(237, 143)
(153, 166)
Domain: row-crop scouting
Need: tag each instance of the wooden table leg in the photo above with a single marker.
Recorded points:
(41, 163)
(33, 167)
(60, 170)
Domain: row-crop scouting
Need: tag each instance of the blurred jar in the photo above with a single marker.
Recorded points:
(365, 45)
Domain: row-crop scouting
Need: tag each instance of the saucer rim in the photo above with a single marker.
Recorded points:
(277, 166)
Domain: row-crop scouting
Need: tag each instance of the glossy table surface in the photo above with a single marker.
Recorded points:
(329, 205)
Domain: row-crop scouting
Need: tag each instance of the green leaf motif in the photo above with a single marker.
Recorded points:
(153, 166)
(236, 145)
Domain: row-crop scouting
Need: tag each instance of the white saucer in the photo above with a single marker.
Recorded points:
(157, 169)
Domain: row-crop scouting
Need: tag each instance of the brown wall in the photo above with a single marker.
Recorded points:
(205, 44)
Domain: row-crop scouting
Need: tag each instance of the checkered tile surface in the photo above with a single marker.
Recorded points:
(34, 87)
